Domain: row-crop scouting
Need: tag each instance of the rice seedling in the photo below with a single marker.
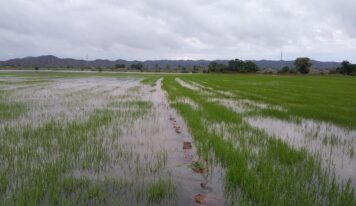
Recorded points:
(159, 189)
(108, 139)
(261, 169)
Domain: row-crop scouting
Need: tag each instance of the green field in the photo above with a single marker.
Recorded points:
(116, 139)
(322, 98)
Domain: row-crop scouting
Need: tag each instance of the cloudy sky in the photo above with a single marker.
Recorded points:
(181, 29)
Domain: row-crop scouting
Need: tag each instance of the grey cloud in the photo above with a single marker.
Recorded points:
(160, 29)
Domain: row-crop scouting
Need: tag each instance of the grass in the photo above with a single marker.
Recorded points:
(86, 159)
(198, 166)
(160, 189)
(325, 98)
(139, 105)
(9, 110)
(150, 80)
(260, 169)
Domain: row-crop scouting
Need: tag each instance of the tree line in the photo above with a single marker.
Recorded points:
(235, 65)
(347, 68)
(302, 65)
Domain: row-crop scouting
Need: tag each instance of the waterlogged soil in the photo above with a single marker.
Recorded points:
(65, 99)
(334, 146)
(147, 140)
(165, 130)
(155, 145)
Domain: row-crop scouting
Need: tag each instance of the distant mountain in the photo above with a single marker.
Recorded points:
(53, 61)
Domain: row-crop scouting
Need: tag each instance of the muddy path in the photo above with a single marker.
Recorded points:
(165, 130)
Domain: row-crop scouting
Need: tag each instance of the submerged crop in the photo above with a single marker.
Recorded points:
(260, 169)
(106, 139)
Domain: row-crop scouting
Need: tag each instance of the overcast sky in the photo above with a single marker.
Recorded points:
(180, 29)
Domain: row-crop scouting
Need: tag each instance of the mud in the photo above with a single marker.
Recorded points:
(158, 145)
(167, 130)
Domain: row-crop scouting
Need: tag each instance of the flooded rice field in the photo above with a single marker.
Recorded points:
(130, 145)
(251, 126)
(335, 146)
(106, 140)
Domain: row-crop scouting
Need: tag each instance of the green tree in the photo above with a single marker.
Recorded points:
(118, 66)
(157, 68)
(285, 69)
(216, 67)
(100, 69)
(303, 65)
(184, 69)
(137, 67)
(348, 68)
(196, 69)
(250, 67)
(236, 65)
(212, 67)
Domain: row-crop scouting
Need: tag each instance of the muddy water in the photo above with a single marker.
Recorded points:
(159, 134)
(66, 99)
(335, 146)
(165, 130)
(188, 101)
(195, 87)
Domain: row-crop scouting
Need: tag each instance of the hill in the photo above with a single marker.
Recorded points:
(53, 61)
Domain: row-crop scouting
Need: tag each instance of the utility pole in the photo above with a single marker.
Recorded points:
(281, 60)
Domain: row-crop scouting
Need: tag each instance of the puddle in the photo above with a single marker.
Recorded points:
(187, 85)
(335, 146)
(243, 105)
(186, 100)
(195, 87)
(236, 106)
(67, 99)
(226, 93)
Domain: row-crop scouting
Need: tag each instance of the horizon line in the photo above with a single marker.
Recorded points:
(80, 59)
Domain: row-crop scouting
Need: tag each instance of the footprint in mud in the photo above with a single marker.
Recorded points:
(188, 154)
(205, 195)
(175, 126)
(209, 199)
(199, 198)
(187, 145)
(199, 167)
(205, 187)
(188, 157)
(172, 119)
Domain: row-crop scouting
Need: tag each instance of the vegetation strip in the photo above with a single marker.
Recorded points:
(261, 170)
